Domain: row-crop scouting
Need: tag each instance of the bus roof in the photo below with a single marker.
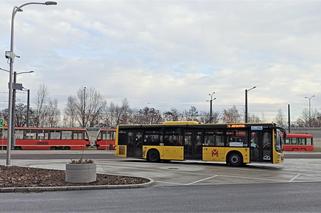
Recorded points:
(183, 124)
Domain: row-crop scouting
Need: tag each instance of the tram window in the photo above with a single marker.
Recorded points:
(55, 135)
(42, 135)
(3, 134)
(30, 135)
(288, 141)
(309, 141)
(66, 135)
(111, 135)
(19, 134)
(78, 135)
(102, 135)
(293, 140)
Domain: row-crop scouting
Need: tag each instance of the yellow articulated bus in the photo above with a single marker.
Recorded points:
(235, 144)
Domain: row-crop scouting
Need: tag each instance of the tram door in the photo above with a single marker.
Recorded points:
(135, 144)
(193, 140)
(261, 146)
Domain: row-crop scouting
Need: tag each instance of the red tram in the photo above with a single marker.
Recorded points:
(34, 138)
(298, 142)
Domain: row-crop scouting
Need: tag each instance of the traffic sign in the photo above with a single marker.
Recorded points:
(1, 122)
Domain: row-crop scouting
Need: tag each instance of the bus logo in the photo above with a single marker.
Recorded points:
(214, 152)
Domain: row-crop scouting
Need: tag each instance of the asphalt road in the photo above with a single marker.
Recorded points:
(101, 154)
(273, 197)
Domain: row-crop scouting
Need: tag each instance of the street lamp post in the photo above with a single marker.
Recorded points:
(28, 106)
(11, 56)
(84, 109)
(246, 114)
(211, 105)
(309, 98)
(13, 140)
(15, 87)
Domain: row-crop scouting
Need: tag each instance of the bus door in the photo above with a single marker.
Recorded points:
(261, 145)
(135, 144)
(193, 140)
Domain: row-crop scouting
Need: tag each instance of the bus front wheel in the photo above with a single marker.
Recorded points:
(153, 155)
(235, 159)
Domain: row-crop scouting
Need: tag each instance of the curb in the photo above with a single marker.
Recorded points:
(72, 188)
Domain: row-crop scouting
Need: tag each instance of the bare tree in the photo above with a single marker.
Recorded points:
(41, 100)
(20, 115)
(191, 114)
(70, 112)
(303, 120)
(86, 108)
(52, 114)
(279, 119)
(172, 115)
(205, 117)
(148, 116)
(254, 119)
(124, 113)
(231, 115)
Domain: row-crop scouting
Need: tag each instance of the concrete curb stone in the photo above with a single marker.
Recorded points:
(70, 188)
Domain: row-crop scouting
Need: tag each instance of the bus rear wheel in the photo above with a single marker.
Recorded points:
(153, 155)
(235, 159)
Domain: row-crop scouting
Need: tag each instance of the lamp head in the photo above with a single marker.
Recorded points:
(50, 3)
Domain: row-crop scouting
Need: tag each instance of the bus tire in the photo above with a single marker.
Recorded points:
(234, 159)
(153, 155)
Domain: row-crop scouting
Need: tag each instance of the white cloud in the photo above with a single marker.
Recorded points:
(171, 53)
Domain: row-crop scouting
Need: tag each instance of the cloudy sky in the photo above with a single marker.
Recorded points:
(170, 54)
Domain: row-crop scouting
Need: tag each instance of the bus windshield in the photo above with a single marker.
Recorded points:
(279, 140)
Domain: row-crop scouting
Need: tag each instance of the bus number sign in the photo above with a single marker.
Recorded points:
(256, 128)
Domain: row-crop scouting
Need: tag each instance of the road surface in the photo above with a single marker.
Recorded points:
(273, 197)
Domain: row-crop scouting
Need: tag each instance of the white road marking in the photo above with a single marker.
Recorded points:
(172, 183)
(201, 180)
(295, 177)
(251, 178)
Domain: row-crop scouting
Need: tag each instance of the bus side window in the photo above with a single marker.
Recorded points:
(236, 138)
(219, 138)
(209, 139)
(171, 138)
